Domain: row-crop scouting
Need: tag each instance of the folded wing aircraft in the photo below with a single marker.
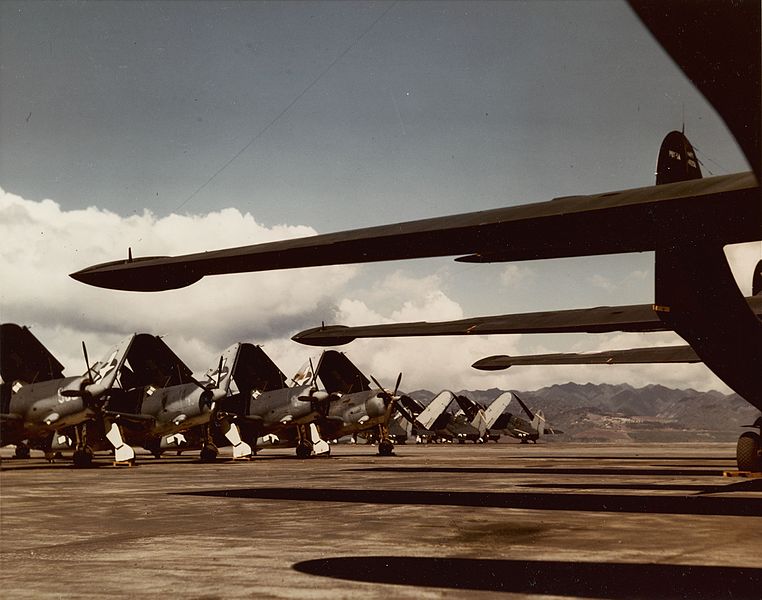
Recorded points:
(685, 221)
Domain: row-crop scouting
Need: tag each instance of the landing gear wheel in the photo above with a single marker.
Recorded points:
(748, 452)
(208, 454)
(22, 451)
(385, 448)
(157, 453)
(83, 457)
(303, 450)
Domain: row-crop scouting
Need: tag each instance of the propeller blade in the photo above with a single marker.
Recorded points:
(397, 385)
(87, 361)
(404, 412)
(314, 375)
(219, 372)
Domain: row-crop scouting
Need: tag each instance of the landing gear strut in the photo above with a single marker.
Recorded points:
(208, 450)
(83, 455)
(385, 446)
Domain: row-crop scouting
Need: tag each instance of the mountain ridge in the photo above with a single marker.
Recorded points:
(620, 412)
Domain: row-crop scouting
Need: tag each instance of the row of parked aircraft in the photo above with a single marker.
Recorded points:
(142, 394)
(685, 220)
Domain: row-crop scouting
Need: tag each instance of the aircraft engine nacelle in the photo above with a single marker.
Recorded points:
(75, 388)
(376, 406)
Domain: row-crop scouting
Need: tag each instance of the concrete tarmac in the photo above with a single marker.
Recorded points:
(555, 520)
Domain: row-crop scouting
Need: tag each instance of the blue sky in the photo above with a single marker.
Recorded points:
(186, 126)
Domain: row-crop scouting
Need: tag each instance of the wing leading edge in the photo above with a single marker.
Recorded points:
(633, 356)
(602, 319)
(632, 220)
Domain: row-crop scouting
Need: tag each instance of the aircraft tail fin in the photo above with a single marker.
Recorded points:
(497, 408)
(222, 373)
(340, 375)
(677, 160)
(104, 372)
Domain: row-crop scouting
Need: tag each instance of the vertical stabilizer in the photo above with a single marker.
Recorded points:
(677, 160)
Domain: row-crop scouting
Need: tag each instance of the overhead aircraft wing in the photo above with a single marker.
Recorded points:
(717, 47)
(659, 354)
(601, 319)
(634, 220)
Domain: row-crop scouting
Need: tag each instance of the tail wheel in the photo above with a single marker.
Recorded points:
(748, 452)
(385, 448)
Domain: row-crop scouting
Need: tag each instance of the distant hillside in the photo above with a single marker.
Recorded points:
(605, 412)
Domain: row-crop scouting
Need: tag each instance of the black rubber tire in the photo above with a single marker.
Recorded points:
(22, 452)
(385, 448)
(303, 450)
(747, 452)
(208, 454)
(83, 458)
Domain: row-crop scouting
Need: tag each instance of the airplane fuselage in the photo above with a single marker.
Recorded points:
(281, 407)
(38, 409)
(162, 411)
(357, 412)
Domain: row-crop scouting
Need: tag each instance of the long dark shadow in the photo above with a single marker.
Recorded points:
(748, 485)
(689, 505)
(615, 581)
(618, 471)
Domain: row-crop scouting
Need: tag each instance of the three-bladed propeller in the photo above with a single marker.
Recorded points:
(211, 390)
(320, 400)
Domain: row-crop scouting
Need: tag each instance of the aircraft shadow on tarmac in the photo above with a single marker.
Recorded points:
(592, 471)
(613, 581)
(750, 485)
(689, 505)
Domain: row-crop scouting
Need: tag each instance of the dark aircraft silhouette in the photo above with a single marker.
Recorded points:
(685, 221)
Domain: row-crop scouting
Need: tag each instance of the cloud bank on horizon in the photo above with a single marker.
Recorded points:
(42, 243)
